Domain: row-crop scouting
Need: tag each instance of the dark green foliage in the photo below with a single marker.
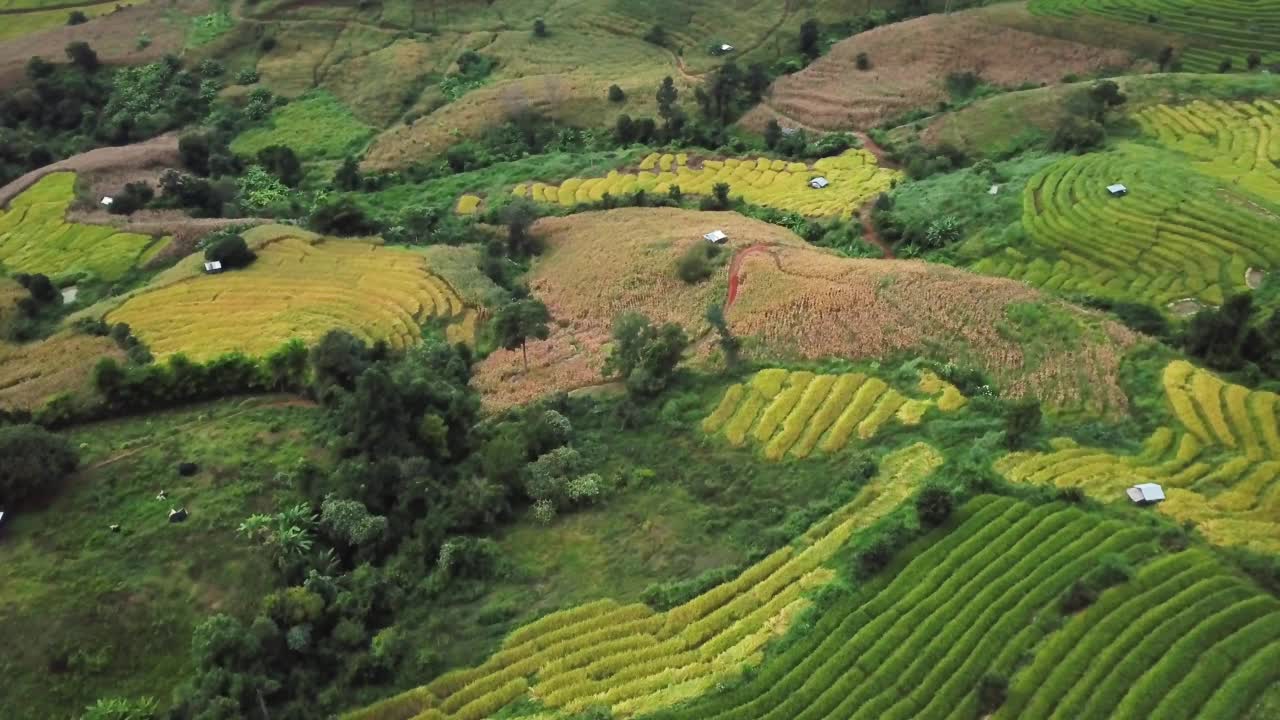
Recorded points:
(77, 17)
(656, 35)
(1142, 318)
(540, 28)
(719, 199)
(697, 263)
(232, 251)
(341, 216)
(133, 198)
(281, 161)
(1225, 65)
(810, 35)
(35, 460)
(993, 690)
(616, 95)
(772, 134)
(729, 345)
(41, 288)
(518, 321)
(863, 61)
(83, 56)
(347, 176)
(1076, 134)
(934, 504)
(337, 360)
(1253, 61)
(1220, 337)
(1022, 420)
(664, 596)
(519, 217)
(1165, 58)
(645, 355)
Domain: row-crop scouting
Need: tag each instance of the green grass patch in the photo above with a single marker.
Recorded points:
(317, 126)
(88, 612)
(205, 29)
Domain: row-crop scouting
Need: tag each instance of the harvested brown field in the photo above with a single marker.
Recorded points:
(111, 164)
(910, 62)
(794, 301)
(114, 36)
(32, 373)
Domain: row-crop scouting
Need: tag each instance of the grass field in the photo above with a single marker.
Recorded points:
(634, 660)
(317, 127)
(90, 613)
(794, 413)
(1235, 141)
(1214, 29)
(36, 19)
(300, 286)
(35, 237)
(982, 598)
(1219, 462)
(1177, 234)
(854, 177)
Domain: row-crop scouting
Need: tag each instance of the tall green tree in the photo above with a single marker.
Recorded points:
(645, 355)
(518, 321)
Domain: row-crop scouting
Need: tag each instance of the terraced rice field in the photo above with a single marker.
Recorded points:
(33, 373)
(1220, 464)
(1215, 29)
(1176, 235)
(976, 601)
(1186, 638)
(795, 413)
(36, 238)
(854, 177)
(1235, 141)
(636, 661)
(297, 288)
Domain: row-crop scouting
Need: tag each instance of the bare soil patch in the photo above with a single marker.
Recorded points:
(910, 62)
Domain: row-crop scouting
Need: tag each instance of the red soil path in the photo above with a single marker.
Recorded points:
(735, 269)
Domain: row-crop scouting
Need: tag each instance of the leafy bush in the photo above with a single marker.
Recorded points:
(616, 95)
(34, 459)
(232, 251)
(934, 504)
(697, 262)
(863, 61)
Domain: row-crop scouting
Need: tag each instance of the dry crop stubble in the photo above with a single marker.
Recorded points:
(32, 373)
(794, 301)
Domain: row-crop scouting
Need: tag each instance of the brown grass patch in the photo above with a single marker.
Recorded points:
(910, 62)
(110, 163)
(32, 373)
(794, 301)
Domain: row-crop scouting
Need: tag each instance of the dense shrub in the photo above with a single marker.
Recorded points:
(232, 251)
(697, 263)
(34, 460)
(934, 504)
(133, 198)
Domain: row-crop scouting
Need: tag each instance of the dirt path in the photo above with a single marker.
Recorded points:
(870, 233)
(735, 270)
(882, 155)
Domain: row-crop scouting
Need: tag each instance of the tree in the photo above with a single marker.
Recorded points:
(667, 96)
(645, 355)
(616, 95)
(810, 34)
(1225, 65)
(1253, 61)
(1165, 58)
(1219, 337)
(338, 359)
(772, 133)
(34, 460)
(540, 28)
(77, 17)
(281, 161)
(135, 196)
(729, 344)
(40, 286)
(624, 130)
(1021, 423)
(519, 217)
(720, 192)
(934, 504)
(656, 35)
(194, 149)
(347, 176)
(232, 251)
(83, 56)
(518, 321)
(757, 81)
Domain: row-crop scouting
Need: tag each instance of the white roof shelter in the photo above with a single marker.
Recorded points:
(818, 183)
(213, 267)
(726, 47)
(995, 190)
(1117, 190)
(1145, 493)
(716, 236)
(106, 200)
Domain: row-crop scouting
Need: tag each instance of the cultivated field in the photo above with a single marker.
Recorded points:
(36, 238)
(792, 301)
(637, 661)
(980, 600)
(299, 287)
(795, 413)
(1176, 235)
(1234, 141)
(316, 127)
(854, 176)
(33, 373)
(1219, 463)
(1215, 29)
(909, 66)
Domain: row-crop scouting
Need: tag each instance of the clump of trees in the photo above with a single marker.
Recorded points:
(35, 460)
(1084, 125)
(645, 355)
(231, 250)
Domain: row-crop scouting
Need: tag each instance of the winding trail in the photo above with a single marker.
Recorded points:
(735, 269)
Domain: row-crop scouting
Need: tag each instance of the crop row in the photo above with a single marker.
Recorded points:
(1170, 238)
(1220, 413)
(919, 647)
(36, 238)
(1178, 641)
(794, 413)
(293, 289)
(1236, 141)
(638, 661)
(1216, 29)
(853, 176)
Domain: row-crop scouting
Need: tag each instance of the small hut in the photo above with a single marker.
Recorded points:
(213, 267)
(716, 237)
(1145, 493)
(818, 183)
(1117, 190)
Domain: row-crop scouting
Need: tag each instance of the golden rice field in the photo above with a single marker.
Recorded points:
(36, 238)
(854, 176)
(297, 288)
(795, 413)
(1219, 464)
(1177, 234)
(637, 661)
(32, 373)
(1235, 141)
